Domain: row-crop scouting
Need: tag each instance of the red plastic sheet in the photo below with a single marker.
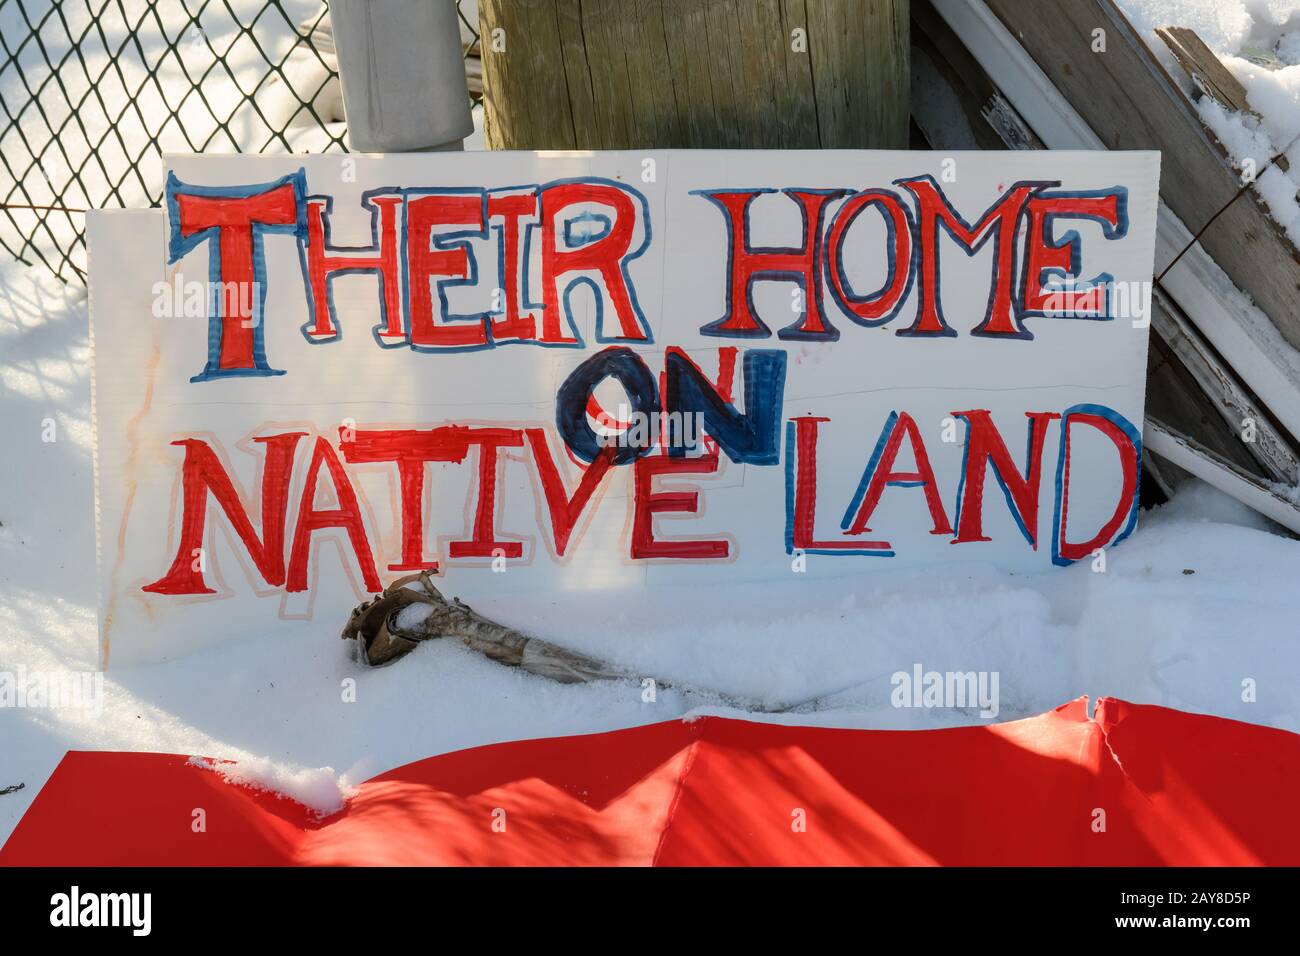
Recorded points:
(1137, 785)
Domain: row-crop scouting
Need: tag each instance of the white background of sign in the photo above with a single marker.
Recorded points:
(144, 398)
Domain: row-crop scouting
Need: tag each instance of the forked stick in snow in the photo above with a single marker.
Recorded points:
(381, 639)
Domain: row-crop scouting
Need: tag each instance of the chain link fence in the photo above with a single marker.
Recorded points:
(93, 92)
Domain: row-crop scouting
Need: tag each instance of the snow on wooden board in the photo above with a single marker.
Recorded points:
(566, 372)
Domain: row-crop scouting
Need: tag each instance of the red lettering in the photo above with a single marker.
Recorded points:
(879, 307)
(1000, 222)
(347, 516)
(648, 503)
(201, 473)
(748, 265)
(1041, 253)
(801, 517)
(880, 474)
(426, 262)
(1125, 439)
(607, 255)
(985, 445)
(238, 346)
(484, 544)
(410, 449)
(324, 261)
(511, 209)
(564, 510)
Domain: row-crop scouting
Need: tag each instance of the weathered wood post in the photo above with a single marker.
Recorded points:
(644, 74)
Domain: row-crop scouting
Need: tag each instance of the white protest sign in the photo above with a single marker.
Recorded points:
(610, 371)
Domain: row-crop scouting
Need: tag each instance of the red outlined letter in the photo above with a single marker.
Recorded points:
(201, 473)
(484, 544)
(801, 496)
(882, 305)
(410, 449)
(747, 265)
(607, 253)
(1043, 254)
(1128, 442)
(426, 262)
(324, 261)
(238, 217)
(566, 511)
(648, 503)
(347, 516)
(999, 222)
(512, 208)
(984, 446)
(880, 474)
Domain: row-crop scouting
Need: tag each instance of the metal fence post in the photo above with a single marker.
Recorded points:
(403, 74)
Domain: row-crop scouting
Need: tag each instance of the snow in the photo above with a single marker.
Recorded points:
(413, 615)
(1276, 94)
(318, 788)
(299, 716)
(1242, 32)
(1288, 48)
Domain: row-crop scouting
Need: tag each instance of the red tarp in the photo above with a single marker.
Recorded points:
(1175, 788)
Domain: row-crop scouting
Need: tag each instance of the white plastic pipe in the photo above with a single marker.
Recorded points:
(403, 74)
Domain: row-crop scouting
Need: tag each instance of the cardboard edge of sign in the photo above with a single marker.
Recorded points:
(97, 219)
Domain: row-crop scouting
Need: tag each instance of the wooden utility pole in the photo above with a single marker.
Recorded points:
(646, 74)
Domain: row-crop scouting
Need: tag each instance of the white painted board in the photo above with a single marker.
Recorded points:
(210, 352)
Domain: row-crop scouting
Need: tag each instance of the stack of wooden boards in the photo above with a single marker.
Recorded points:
(1224, 389)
